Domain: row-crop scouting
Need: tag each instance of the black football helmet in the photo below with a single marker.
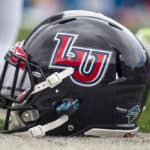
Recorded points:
(77, 73)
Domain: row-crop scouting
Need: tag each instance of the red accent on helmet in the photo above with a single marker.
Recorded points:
(22, 95)
(19, 51)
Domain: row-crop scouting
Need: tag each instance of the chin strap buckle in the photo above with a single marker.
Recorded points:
(40, 130)
(36, 131)
(53, 80)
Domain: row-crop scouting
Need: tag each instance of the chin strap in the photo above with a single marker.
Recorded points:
(53, 80)
(40, 130)
(68, 107)
(50, 82)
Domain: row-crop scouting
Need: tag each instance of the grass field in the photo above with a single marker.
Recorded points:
(22, 34)
(144, 121)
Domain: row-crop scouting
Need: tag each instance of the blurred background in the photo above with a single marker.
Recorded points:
(132, 13)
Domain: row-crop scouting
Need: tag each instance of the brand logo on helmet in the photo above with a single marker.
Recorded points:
(90, 65)
(133, 113)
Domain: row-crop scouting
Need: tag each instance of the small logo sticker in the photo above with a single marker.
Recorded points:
(133, 113)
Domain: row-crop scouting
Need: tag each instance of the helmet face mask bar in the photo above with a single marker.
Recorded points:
(16, 75)
(26, 82)
(16, 84)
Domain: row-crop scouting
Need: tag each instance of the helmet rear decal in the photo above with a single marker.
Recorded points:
(90, 65)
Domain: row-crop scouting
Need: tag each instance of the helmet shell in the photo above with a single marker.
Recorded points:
(106, 101)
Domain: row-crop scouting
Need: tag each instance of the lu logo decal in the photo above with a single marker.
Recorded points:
(90, 65)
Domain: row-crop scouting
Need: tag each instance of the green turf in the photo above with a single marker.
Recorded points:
(144, 121)
(23, 33)
(1, 122)
(146, 33)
